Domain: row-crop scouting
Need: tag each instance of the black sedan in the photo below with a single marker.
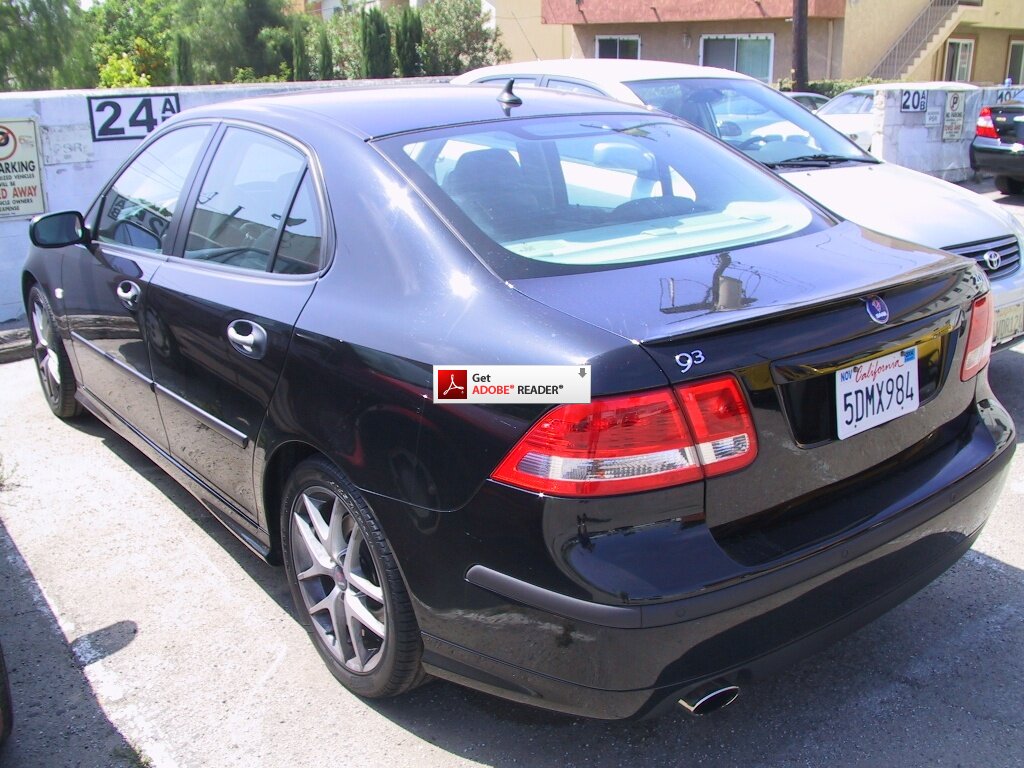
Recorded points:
(789, 430)
(998, 145)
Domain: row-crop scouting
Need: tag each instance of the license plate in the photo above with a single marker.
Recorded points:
(876, 391)
(1009, 322)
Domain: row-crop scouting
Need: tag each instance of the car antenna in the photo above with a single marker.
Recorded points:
(507, 99)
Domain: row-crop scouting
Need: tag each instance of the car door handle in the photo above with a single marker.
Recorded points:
(129, 293)
(248, 338)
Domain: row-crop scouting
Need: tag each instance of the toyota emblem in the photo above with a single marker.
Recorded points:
(993, 259)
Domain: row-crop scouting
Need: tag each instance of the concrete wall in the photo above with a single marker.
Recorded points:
(681, 41)
(907, 138)
(74, 167)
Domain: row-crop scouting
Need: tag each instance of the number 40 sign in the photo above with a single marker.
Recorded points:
(129, 117)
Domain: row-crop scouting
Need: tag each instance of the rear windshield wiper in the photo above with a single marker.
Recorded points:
(820, 159)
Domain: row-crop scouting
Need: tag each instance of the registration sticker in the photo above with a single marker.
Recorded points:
(876, 391)
(1009, 322)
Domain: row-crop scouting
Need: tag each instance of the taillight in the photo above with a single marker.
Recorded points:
(639, 442)
(985, 127)
(979, 337)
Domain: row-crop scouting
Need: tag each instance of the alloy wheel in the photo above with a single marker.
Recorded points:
(339, 579)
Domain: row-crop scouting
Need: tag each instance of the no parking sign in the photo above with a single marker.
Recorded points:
(21, 182)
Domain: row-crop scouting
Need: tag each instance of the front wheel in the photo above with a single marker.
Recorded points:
(346, 585)
(52, 363)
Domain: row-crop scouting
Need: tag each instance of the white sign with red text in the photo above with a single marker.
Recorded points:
(21, 173)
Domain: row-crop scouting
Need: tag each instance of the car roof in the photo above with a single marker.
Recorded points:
(372, 112)
(602, 70)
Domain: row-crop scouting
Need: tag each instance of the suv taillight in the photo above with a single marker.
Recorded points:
(979, 337)
(639, 442)
(985, 127)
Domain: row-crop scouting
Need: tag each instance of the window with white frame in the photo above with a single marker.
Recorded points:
(618, 46)
(959, 60)
(1015, 64)
(750, 54)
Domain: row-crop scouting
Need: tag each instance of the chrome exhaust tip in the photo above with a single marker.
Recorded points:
(707, 698)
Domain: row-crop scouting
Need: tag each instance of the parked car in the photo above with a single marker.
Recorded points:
(806, 99)
(790, 427)
(850, 113)
(998, 145)
(810, 155)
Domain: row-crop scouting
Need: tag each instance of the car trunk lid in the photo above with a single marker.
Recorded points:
(788, 318)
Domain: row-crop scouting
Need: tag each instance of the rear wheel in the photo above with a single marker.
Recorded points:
(1009, 185)
(346, 585)
(52, 363)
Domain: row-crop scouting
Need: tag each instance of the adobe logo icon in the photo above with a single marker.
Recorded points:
(452, 384)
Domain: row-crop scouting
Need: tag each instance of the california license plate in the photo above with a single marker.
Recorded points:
(1009, 322)
(876, 391)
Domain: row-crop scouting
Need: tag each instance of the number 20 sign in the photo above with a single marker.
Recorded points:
(129, 117)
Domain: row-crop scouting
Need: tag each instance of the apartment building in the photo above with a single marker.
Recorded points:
(979, 41)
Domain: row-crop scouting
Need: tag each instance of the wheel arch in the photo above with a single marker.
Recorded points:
(279, 467)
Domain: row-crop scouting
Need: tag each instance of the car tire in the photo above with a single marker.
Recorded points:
(6, 709)
(1009, 185)
(52, 363)
(345, 582)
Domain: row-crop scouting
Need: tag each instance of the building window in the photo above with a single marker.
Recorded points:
(618, 47)
(1015, 66)
(959, 60)
(750, 54)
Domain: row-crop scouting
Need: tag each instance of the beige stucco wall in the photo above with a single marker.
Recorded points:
(991, 50)
(681, 41)
(526, 36)
(871, 28)
(1004, 14)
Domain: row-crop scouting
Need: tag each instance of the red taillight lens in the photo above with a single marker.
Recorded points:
(985, 127)
(979, 337)
(634, 442)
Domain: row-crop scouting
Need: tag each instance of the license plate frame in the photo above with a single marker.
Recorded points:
(1009, 322)
(876, 391)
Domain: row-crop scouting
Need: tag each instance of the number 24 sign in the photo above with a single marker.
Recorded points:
(129, 117)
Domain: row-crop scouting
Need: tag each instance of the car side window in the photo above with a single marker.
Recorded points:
(243, 200)
(138, 207)
(573, 86)
(299, 250)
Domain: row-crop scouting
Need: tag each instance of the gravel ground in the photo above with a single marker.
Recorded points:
(139, 632)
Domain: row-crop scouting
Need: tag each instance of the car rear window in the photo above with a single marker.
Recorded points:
(548, 195)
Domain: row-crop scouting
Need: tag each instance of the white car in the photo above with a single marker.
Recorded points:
(766, 126)
(850, 114)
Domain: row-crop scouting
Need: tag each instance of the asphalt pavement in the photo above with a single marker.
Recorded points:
(139, 632)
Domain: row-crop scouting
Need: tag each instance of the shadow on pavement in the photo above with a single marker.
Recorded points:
(57, 719)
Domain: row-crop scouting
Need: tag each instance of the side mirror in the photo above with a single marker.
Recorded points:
(729, 130)
(57, 230)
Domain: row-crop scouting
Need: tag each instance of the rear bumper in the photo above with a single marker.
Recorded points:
(546, 648)
(993, 156)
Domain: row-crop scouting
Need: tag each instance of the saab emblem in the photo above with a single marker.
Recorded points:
(877, 309)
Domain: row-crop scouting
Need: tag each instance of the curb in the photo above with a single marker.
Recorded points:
(15, 344)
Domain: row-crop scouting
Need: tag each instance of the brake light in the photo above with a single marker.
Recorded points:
(985, 127)
(979, 337)
(631, 443)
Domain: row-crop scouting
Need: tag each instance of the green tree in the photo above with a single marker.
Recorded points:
(300, 56)
(325, 57)
(139, 29)
(408, 38)
(44, 44)
(119, 72)
(228, 35)
(375, 33)
(457, 37)
(183, 72)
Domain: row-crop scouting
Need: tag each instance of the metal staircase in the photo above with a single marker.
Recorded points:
(937, 17)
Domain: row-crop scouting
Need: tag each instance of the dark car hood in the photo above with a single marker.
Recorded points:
(665, 299)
